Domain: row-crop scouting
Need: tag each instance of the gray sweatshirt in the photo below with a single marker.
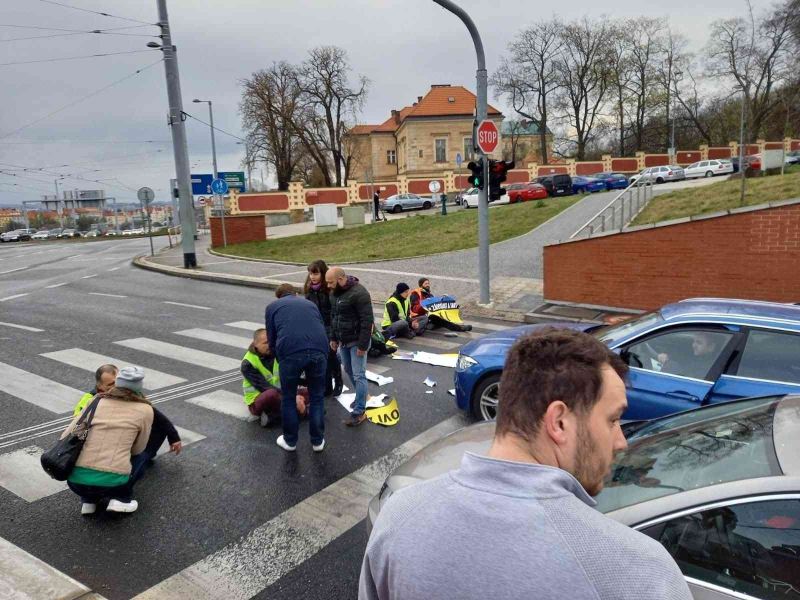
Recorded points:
(500, 529)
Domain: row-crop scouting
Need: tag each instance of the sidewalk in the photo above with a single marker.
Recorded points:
(516, 266)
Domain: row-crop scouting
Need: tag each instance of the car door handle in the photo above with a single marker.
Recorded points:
(682, 396)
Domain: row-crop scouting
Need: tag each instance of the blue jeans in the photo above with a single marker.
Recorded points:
(314, 365)
(356, 368)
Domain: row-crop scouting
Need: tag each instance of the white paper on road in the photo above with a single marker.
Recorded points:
(402, 355)
(452, 392)
(379, 379)
(437, 360)
(346, 400)
(429, 392)
(429, 382)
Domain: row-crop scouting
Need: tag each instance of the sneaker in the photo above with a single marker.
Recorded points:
(87, 508)
(282, 443)
(355, 420)
(318, 447)
(264, 419)
(122, 507)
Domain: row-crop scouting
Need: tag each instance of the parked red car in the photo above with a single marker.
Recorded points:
(521, 192)
(753, 161)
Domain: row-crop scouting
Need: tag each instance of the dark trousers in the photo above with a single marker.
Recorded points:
(140, 462)
(333, 373)
(314, 365)
(269, 402)
(92, 494)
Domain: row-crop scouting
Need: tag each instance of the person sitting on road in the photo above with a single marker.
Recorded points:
(120, 429)
(415, 298)
(397, 320)
(261, 382)
(162, 429)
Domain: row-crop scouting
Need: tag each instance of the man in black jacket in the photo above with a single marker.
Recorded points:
(351, 329)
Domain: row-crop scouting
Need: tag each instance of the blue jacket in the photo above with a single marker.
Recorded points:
(295, 325)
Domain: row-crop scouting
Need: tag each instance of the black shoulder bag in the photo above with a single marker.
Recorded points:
(59, 460)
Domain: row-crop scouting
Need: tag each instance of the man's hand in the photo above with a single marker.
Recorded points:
(301, 404)
(334, 346)
(176, 447)
(414, 324)
(360, 352)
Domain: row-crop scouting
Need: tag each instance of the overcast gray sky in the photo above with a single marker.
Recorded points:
(402, 46)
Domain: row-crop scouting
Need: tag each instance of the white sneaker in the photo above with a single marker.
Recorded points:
(87, 508)
(264, 419)
(318, 447)
(282, 443)
(122, 507)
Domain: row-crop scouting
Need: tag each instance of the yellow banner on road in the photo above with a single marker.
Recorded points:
(387, 415)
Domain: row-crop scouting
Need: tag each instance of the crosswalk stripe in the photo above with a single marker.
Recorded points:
(182, 353)
(225, 402)
(89, 361)
(438, 344)
(23, 327)
(187, 305)
(187, 437)
(294, 536)
(250, 325)
(22, 475)
(39, 391)
(227, 339)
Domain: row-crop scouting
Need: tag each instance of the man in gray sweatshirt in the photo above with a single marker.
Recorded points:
(520, 522)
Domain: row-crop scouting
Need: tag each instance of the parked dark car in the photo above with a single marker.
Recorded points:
(613, 181)
(587, 185)
(556, 185)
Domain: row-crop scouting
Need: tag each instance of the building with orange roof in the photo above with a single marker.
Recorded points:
(419, 140)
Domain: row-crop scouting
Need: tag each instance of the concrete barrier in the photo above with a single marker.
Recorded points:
(353, 216)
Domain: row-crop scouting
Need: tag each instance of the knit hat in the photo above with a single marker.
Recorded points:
(401, 287)
(131, 378)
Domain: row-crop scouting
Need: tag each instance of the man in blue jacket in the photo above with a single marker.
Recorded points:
(296, 334)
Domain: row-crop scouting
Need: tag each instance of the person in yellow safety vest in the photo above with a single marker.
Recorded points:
(397, 320)
(104, 378)
(261, 383)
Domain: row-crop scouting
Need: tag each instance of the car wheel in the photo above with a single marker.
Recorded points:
(397, 209)
(426, 205)
(709, 174)
(660, 180)
(484, 398)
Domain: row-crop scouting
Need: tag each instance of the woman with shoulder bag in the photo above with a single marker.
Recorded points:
(119, 429)
(316, 290)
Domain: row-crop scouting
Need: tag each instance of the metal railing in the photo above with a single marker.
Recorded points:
(620, 211)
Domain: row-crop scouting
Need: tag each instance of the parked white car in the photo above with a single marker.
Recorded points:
(470, 198)
(41, 235)
(709, 168)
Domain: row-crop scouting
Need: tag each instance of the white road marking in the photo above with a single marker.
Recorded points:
(207, 335)
(109, 295)
(23, 327)
(39, 391)
(7, 298)
(21, 474)
(187, 437)
(89, 361)
(187, 305)
(379, 369)
(115, 269)
(74, 256)
(225, 402)
(249, 325)
(50, 287)
(13, 270)
(303, 272)
(406, 273)
(182, 353)
(286, 541)
(438, 344)
(89, 276)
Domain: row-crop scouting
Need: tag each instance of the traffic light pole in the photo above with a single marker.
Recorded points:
(482, 112)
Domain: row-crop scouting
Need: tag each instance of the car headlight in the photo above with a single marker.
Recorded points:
(464, 362)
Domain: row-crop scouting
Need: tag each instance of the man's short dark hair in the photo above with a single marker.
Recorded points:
(103, 369)
(547, 365)
(285, 289)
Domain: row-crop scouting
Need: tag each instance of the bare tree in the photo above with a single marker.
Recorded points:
(270, 108)
(528, 78)
(673, 67)
(518, 148)
(645, 35)
(620, 79)
(330, 104)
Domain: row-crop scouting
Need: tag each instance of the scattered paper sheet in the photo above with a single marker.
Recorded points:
(428, 391)
(429, 382)
(347, 400)
(450, 334)
(437, 360)
(387, 415)
(403, 355)
(452, 392)
(379, 379)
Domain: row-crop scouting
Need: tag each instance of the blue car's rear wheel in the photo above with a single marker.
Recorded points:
(485, 397)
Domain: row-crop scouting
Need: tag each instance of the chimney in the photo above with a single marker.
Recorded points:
(419, 98)
(396, 116)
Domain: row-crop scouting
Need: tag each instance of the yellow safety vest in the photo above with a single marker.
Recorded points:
(82, 403)
(273, 377)
(402, 309)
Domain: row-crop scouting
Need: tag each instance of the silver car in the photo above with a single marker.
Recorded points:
(718, 486)
(660, 174)
(400, 202)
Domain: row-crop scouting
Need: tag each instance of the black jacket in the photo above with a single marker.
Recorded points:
(351, 314)
(323, 301)
(162, 423)
(391, 308)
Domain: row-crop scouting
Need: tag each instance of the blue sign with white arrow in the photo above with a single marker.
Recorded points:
(219, 186)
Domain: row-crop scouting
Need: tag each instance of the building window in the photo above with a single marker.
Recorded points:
(420, 152)
(391, 157)
(441, 150)
(469, 152)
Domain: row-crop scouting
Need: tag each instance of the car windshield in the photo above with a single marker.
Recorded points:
(694, 450)
(611, 333)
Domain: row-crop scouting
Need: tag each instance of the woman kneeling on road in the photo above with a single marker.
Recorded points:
(120, 428)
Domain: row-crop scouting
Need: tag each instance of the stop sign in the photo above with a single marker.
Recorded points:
(487, 136)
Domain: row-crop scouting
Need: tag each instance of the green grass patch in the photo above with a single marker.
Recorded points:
(721, 196)
(400, 238)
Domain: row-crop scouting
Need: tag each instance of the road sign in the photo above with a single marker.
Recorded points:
(201, 182)
(488, 136)
(459, 159)
(434, 186)
(219, 186)
(145, 195)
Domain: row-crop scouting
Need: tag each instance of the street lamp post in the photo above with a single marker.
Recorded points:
(676, 77)
(214, 160)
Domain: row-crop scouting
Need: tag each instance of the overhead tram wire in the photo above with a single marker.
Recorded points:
(48, 60)
(55, 35)
(215, 128)
(104, 14)
(105, 29)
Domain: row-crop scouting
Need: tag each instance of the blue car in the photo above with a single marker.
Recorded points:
(684, 355)
(585, 185)
(613, 181)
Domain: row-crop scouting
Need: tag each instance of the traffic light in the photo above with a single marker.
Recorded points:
(497, 175)
(476, 179)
